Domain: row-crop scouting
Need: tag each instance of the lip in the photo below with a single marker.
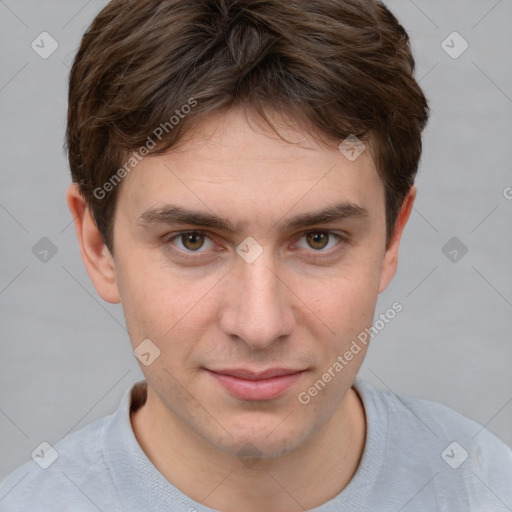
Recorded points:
(250, 385)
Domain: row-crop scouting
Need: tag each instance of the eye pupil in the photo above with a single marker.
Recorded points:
(318, 239)
(192, 240)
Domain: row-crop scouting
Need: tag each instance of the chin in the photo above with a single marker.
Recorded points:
(266, 439)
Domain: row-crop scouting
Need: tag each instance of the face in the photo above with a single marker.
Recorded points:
(224, 261)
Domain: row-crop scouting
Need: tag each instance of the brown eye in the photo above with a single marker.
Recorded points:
(192, 240)
(317, 239)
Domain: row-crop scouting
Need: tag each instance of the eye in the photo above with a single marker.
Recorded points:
(320, 241)
(191, 241)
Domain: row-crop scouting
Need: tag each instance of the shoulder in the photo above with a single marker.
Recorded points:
(429, 443)
(69, 473)
(417, 415)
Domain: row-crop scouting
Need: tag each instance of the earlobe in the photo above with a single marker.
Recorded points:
(390, 262)
(97, 259)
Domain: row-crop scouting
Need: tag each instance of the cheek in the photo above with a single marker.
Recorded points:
(346, 301)
(147, 296)
(162, 305)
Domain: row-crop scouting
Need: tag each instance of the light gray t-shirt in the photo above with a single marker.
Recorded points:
(419, 456)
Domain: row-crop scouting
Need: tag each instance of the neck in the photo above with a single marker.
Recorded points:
(299, 480)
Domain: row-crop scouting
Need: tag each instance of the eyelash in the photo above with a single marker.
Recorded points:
(342, 239)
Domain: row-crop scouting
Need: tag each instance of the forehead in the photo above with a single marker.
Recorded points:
(228, 160)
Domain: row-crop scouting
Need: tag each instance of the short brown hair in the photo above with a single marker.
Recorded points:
(343, 66)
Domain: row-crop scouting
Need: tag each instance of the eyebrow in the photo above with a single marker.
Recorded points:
(174, 214)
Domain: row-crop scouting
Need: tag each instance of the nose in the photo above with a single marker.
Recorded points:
(257, 306)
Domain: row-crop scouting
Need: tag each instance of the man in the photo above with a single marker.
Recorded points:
(242, 174)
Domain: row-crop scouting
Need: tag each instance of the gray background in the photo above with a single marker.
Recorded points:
(65, 355)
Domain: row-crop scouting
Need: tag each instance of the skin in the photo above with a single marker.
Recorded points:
(298, 305)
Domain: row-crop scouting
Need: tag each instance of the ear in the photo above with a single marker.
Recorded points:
(97, 259)
(390, 262)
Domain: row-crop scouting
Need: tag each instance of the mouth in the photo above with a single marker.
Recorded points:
(246, 384)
